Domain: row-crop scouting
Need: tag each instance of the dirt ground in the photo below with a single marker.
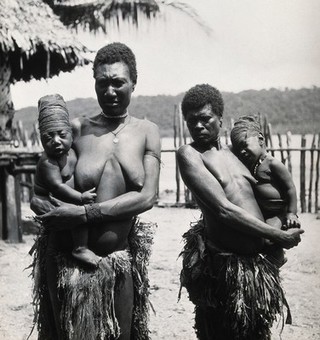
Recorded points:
(172, 319)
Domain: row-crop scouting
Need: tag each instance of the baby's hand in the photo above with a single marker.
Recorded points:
(88, 196)
(292, 221)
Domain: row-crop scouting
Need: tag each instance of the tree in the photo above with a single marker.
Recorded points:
(36, 41)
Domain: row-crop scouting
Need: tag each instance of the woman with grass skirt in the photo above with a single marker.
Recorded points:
(235, 288)
(119, 155)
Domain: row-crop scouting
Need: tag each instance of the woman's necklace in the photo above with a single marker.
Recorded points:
(259, 161)
(115, 133)
(124, 115)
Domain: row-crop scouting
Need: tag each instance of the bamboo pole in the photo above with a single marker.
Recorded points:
(313, 146)
(303, 174)
(316, 205)
(288, 134)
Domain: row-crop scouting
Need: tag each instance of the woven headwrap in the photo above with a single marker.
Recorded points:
(243, 125)
(53, 114)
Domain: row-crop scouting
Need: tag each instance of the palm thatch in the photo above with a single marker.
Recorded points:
(94, 14)
(34, 43)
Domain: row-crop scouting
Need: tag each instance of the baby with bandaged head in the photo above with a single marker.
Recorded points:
(55, 169)
(274, 189)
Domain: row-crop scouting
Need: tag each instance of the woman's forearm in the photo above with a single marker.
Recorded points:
(241, 220)
(127, 205)
(234, 217)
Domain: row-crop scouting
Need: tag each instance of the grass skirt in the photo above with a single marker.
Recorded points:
(236, 297)
(88, 311)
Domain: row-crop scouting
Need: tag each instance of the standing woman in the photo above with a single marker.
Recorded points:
(235, 288)
(119, 155)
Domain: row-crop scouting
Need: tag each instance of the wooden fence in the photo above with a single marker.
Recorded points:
(308, 158)
(18, 161)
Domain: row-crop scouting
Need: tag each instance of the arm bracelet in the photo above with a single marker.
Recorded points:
(93, 213)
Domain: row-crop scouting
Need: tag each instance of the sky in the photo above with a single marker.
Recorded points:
(252, 44)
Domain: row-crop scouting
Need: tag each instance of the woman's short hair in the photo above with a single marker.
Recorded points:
(201, 95)
(117, 52)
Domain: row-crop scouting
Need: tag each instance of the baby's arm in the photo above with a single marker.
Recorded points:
(51, 176)
(282, 176)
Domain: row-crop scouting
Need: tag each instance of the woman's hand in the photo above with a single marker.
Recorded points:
(63, 216)
(290, 238)
(43, 204)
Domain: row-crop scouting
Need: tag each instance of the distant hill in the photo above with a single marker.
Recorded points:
(294, 110)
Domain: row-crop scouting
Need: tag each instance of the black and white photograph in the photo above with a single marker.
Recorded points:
(159, 169)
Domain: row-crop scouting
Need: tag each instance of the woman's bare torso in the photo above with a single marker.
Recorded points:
(236, 182)
(113, 169)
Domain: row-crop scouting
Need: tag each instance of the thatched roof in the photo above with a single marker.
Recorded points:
(94, 14)
(34, 41)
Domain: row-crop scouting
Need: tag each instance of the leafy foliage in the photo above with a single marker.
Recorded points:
(289, 110)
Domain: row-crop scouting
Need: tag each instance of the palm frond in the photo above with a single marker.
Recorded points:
(189, 11)
(93, 15)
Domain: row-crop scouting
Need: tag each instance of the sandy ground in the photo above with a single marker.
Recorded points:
(172, 320)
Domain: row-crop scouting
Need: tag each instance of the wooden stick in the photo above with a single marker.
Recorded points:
(265, 130)
(313, 146)
(316, 189)
(180, 138)
(2, 202)
(13, 209)
(303, 174)
(283, 160)
(270, 138)
(288, 134)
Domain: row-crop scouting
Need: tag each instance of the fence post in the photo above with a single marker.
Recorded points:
(175, 132)
(303, 175)
(2, 202)
(270, 138)
(313, 146)
(12, 229)
(288, 134)
(283, 160)
(316, 206)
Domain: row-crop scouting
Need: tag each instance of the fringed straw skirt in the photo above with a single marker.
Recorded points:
(236, 297)
(88, 310)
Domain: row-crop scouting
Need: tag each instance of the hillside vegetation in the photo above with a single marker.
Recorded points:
(297, 111)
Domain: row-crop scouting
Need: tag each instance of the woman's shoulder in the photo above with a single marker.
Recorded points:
(79, 123)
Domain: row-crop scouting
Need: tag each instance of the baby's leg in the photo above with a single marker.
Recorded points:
(274, 252)
(275, 221)
(80, 248)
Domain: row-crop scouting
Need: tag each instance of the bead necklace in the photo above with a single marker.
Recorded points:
(124, 115)
(115, 133)
(259, 161)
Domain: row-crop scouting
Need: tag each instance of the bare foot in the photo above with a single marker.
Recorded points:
(86, 256)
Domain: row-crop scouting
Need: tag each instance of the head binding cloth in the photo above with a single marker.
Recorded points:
(53, 114)
(244, 124)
